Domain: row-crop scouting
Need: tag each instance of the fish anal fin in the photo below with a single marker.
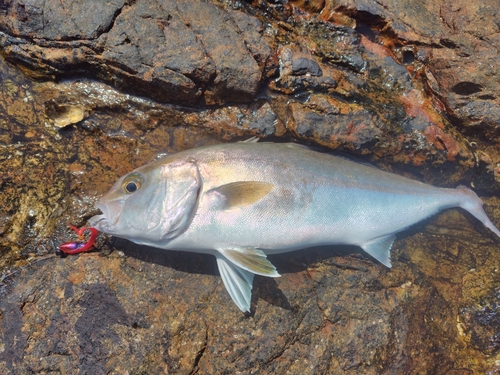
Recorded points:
(380, 249)
(243, 193)
(251, 260)
(238, 282)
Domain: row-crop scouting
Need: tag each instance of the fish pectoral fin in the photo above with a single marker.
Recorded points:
(251, 260)
(380, 249)
(243, 193)
(238, 282)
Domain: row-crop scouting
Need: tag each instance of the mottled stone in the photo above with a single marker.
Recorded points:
(454, 45)
(179, 52)
(481, 323)
(379, 111)
(57, 20)
(170, 51)
(302, 66)
(333, 311)
(408, 85)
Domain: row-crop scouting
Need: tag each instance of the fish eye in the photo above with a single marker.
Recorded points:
(131, 187)
(132, 184)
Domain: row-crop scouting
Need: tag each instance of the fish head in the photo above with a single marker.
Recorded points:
(152, 204)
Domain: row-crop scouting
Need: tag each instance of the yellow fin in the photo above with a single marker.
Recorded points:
(244, 193)
(251, 260)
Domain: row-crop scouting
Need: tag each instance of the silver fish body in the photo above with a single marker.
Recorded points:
(245, 200)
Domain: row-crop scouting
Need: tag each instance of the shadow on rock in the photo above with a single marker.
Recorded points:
(264, 287)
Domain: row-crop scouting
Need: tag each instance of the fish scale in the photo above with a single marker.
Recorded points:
(245, 200)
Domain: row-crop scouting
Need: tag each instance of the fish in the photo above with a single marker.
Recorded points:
(244, 201)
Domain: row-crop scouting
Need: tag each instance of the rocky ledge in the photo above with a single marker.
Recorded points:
(408, 86)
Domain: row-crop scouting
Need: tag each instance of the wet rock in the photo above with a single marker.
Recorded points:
(333, 123)
(301, 66)
(388, 81)
(59, 20)
(454, 46)
(481, 324)
(176, 52)
(296, 77)
(151, 311)
(380, 112)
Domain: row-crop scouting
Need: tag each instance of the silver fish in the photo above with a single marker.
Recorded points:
(242, 201)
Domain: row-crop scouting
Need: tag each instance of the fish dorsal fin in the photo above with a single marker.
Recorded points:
(253, 139)
(251, 260)
(243, 193)
(237, 281)
(380, 249)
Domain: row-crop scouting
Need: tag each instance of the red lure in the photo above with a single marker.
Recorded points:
(78, 246)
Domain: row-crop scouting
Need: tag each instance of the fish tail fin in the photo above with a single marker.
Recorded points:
(474, 205)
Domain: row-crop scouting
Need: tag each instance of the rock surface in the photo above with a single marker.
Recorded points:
(390, 88)
(169, 50)
(144, 311)
(412, 87)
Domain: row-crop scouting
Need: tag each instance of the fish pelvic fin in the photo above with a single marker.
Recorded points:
(474, 206)
(238, 282)
(380, 249)
(243, 193)
(251, 260)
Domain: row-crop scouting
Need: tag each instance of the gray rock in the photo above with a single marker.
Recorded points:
(170, 51)
(301, 66)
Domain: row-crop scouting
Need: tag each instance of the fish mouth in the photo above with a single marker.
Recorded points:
(110, 215)
(100, 222)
